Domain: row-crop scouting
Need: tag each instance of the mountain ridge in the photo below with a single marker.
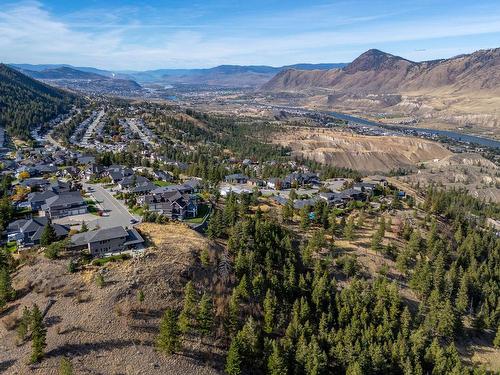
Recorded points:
(375, 71)
(226, 75)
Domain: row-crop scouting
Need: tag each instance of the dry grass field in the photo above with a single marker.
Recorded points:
(107, 330)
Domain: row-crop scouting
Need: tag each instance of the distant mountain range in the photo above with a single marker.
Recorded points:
(88, 80)
(378, 72)
(223, 75)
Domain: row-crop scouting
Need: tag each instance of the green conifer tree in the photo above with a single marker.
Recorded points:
(168, 339)
(188, 313)
(233, 360)
(38, 334)
(205, 315)
(48, 235)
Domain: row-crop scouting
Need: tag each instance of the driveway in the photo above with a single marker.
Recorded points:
(117, 212)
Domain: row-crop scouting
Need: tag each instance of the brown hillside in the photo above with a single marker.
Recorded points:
(364, 153)
(378, 72)
(107, 330)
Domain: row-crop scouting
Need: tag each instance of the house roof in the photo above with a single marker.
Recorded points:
(40, 196)
(98, 235)
(133, 237)
(144, 187)
(133, 180)
(70, 197)
(37, 225)
(236, 176)
(31, 182)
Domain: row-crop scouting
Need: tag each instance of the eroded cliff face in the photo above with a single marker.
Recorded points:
(365, 153)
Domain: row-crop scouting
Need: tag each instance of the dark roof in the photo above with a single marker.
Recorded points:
(40, 196)
(133, 237)
(37, 225)
(70, 197)
(133, 180)
(98, 235)
(300, 203)
(144, 187)
(86, 159)
(32, 182)
(236, 176)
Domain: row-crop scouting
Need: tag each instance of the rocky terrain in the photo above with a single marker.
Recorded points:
(470, 171)
(108, 330)
(364, 153)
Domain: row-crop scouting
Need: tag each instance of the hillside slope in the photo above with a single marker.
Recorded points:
(378, 72)
(25, 102)
(364, 153)
(107, 330)
(63, 73)
(461, 93)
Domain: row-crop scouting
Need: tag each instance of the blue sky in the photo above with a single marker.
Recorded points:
(137, 35)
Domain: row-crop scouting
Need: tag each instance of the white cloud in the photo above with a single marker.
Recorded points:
(31, 34)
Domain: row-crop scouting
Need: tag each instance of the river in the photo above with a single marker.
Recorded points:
(482, 141)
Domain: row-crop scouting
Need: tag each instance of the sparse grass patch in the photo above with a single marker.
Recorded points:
(113, 258)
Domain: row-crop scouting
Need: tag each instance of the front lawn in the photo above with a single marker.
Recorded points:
(203, 210)
(11, 246)
(162, 183)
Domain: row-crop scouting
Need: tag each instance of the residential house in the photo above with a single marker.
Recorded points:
(142, 188)
(118, 173)
(35, 183)
(301, 203)
(365, 187)
(70, 172)
(192, 186)
(92, 172)
(333, 199)
(301, 179)
(37, 199)
(236, 178)
(86, 160)
(171, 203)
(64, 204)
(107, 241)
(59, 186)
(353, 194)
(131, 181)
(278, 183)
(45, 169)
(162, 175)
(28, 232)
(280, 199)
(225, 190)
(378, 180)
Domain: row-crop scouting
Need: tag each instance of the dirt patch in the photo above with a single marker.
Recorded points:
(364, 153)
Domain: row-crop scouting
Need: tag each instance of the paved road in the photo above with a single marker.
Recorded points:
(117, 211)
(136, 125)
(91, 129)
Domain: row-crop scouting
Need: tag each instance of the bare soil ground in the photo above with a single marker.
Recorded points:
(364, 153)
(470, 171)
(107, 330)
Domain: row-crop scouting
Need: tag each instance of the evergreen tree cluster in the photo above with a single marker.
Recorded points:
(25, 102)
(286, 313)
